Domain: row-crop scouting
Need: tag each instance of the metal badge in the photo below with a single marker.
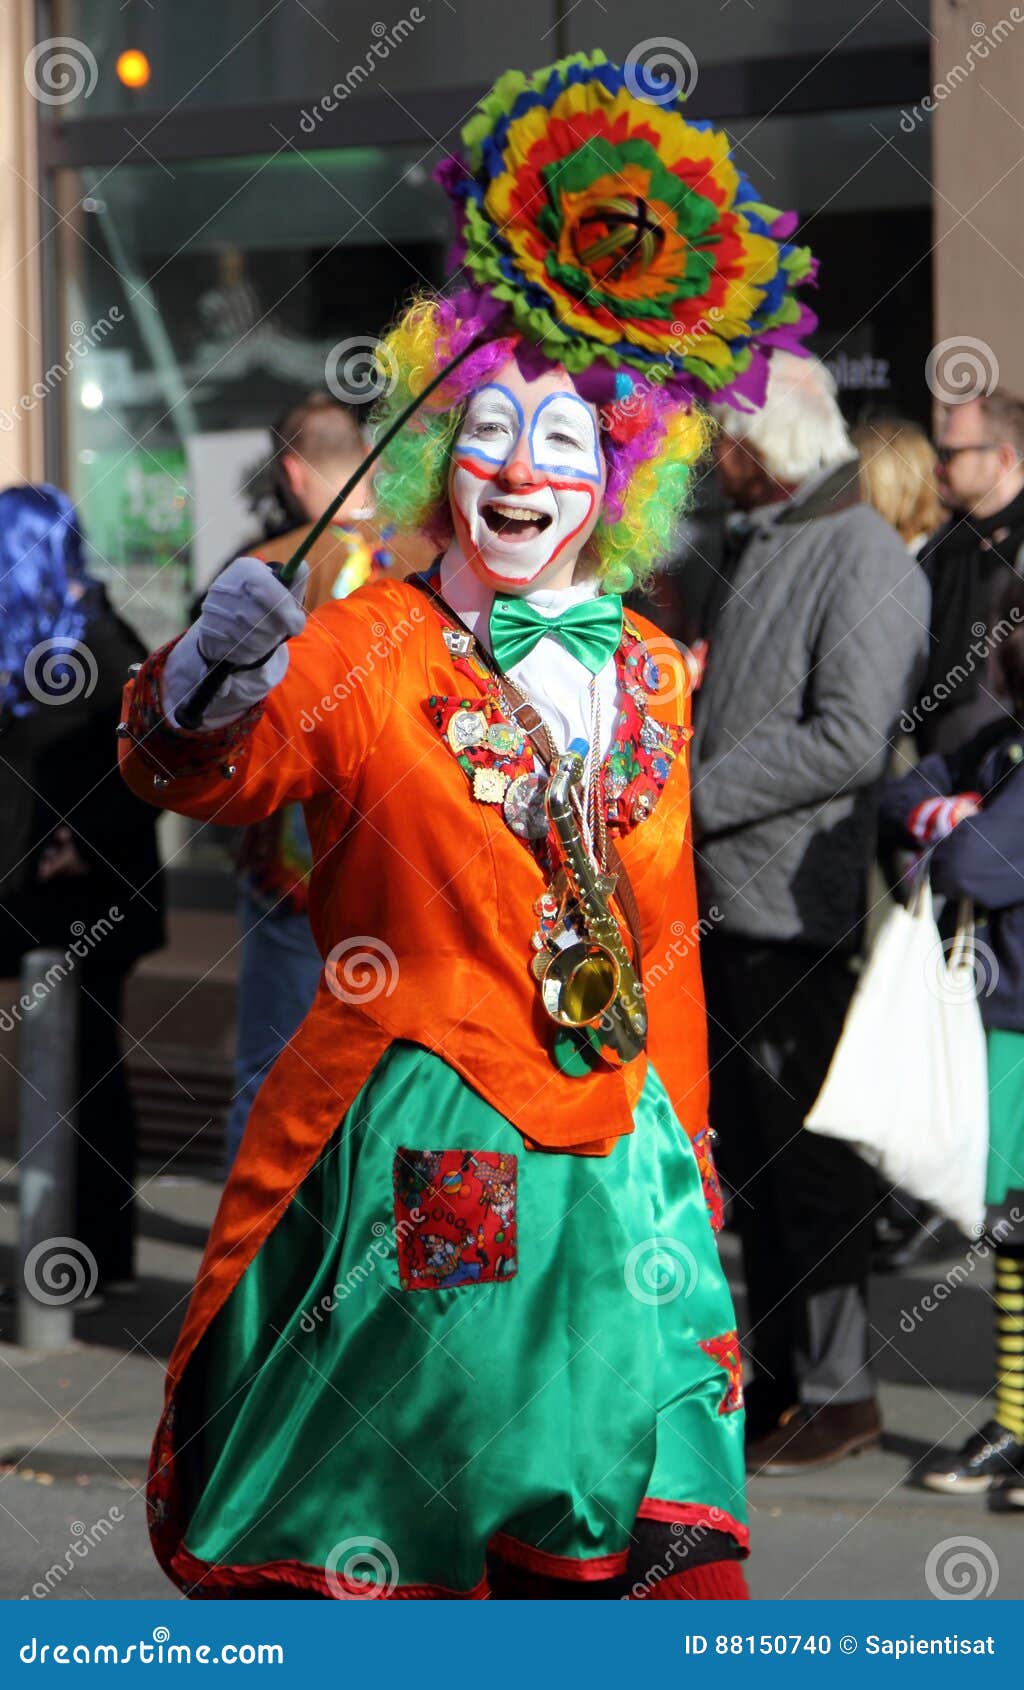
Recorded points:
(458, 641)
(506, 739)
(524, 807)
(466, 729)
(489, 785)
(642, 807)
(652, 734)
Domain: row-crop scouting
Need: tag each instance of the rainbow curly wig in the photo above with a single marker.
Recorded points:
(650, 440)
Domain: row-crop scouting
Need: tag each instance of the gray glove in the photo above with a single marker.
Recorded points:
(247, 616)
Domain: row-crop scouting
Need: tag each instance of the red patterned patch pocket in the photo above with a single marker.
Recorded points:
(455, 1217)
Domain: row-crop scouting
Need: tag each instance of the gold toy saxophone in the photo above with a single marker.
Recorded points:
(590, 981)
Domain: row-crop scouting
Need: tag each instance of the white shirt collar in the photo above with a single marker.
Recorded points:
(471, 598)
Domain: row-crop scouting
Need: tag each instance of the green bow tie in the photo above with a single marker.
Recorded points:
(590, 630)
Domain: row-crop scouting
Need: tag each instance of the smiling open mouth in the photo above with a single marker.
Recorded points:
(515, 522)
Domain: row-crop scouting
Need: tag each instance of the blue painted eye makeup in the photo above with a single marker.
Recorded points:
(563, 438)
(493, 423)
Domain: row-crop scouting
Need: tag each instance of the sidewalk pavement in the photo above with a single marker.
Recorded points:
(75, 1430)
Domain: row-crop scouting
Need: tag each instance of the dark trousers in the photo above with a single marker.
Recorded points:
(803, 1204)
(106, 1141)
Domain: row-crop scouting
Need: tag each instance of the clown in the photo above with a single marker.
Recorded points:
(504, 1072)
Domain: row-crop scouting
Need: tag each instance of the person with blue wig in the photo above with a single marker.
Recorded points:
(79, 868)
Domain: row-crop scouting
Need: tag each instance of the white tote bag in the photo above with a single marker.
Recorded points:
(908, 1084)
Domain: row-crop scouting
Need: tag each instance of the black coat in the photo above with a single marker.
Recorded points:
(983, 857)
(58, 766)
(969, 564)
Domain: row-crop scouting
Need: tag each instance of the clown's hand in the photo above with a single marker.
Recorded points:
(247, 618)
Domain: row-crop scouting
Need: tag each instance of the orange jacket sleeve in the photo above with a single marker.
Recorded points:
(308, 737)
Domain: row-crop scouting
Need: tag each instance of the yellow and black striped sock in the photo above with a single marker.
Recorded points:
(1009, 1407)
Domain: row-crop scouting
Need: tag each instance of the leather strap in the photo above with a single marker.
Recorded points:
(528, 718)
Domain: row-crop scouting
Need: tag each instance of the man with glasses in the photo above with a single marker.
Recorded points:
(980, 477)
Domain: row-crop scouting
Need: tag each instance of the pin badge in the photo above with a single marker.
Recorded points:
(505, 739)
(489, 785)
(466, 729)
(524, 807)
(458, 641)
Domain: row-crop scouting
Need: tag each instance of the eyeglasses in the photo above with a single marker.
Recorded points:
(945, 453)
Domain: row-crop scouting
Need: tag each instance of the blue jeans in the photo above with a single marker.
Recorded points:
(276, 985)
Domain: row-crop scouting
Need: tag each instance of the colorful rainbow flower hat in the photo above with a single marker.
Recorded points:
(621, 239)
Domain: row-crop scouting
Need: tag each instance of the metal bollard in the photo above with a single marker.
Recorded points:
(52, 1268)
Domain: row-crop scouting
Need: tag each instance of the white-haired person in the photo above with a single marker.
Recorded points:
(816, 640)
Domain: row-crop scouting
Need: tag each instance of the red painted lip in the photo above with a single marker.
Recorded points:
(472, 552)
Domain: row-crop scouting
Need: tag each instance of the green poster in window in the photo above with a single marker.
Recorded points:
(135, 507)
(136, 510)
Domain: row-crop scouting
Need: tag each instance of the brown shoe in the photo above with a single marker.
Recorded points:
(807, 1437)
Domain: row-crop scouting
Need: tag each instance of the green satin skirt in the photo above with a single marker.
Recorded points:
(449, 1342)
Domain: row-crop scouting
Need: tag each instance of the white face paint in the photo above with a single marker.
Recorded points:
(526, 480)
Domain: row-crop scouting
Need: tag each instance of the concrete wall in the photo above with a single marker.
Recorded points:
(978, 175)
(21, 357)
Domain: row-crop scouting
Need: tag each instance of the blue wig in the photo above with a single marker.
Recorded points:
(45, 601)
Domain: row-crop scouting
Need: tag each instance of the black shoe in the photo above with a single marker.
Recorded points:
(990, 1454)
(1007, 1494)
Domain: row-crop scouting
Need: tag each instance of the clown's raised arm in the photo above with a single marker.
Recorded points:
(301, 711)
(499, 1095)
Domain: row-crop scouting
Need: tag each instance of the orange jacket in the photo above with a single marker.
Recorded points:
(431, 884)
(428, 882)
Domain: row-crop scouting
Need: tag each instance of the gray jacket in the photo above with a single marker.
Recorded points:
(816, 646)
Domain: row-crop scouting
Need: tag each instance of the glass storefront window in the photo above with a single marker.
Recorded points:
(199, 54)
(207, 301)
(195, 303)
